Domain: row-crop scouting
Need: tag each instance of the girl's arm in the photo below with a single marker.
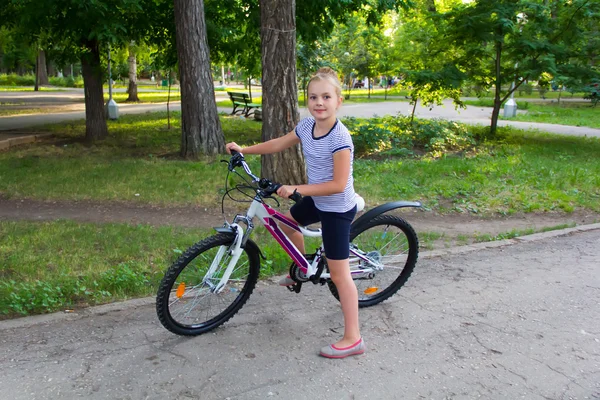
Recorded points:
(341, 173)
(269, 147)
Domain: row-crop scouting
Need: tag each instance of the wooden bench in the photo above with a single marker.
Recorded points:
(242, 103)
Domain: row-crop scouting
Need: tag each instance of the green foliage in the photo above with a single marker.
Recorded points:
(498, 42)
(68, 81)
(51, 265)
(400, 136)
(24, 297)
(565, 113)
(592, 92)
(17, 80)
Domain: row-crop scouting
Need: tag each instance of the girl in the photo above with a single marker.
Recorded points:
(329, 195)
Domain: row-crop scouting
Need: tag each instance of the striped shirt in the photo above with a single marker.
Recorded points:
(318, 153)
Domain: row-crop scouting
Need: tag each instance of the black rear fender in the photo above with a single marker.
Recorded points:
(369, 215)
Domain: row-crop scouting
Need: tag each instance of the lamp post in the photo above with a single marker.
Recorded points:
(112, 109)
(510, 107)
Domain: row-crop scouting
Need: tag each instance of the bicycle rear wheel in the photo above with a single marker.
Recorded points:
(187, 302)
(392, 244)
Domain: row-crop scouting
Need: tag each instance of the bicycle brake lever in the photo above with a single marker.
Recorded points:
(297, 197)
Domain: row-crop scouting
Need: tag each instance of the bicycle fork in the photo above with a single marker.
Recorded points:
(235, 250)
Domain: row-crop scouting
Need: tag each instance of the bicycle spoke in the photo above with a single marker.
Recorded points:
(390, 256)
(192, 303)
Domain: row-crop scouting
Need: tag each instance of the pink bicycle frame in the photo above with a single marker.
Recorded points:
(268, 216)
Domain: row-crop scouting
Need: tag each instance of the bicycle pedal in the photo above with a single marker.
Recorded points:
(294, 288)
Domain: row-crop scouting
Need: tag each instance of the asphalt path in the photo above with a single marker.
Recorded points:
(470, 115)
(518, 319)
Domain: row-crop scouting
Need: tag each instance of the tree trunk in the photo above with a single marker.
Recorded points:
(279, 89)
(200, 126)
(95, 117)
(42, 69)
(498, 88)
(132, 89)
(431, 6)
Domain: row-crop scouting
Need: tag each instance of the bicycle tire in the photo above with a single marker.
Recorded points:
(192, 267)
(411, 249)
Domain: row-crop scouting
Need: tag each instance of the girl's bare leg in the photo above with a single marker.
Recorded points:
(296, 237)
(340, 274)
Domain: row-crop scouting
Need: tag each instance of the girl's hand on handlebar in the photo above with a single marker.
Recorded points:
(285, 191)
(233, 146)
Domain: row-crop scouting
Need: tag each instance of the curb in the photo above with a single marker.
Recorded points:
(507, 242)
(70, 315)
(19, 140)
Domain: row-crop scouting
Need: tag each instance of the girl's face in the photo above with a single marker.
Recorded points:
(323, 100)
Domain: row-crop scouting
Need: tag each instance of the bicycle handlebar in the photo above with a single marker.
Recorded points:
(267, 187)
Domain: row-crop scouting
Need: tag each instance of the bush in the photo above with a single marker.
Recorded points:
(23, 298)
(399, 136)
(17, 80)
(592, 92)
(68, 81)
(525, 88)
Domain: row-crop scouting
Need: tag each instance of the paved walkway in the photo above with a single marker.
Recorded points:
(470, 115)
(518, 319)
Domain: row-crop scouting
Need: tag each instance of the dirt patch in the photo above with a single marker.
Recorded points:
(453, 229)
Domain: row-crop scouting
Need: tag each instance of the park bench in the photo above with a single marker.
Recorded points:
(242, 103)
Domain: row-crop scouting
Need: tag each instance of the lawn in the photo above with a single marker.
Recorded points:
(52, 265)
(520, 172)
(572, 113)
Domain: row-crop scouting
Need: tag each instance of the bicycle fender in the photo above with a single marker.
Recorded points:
(225, 229)
(374, 212)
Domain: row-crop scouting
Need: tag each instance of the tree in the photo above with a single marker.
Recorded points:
(132, 61)
(424, 59)
(504, 41)
(85, 30)
(200, 126)
(42, 69)
(310, 57)
(280, 92)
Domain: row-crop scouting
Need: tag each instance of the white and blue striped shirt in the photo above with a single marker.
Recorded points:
(318, 153)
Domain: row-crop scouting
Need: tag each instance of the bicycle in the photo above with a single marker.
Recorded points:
(221, 271)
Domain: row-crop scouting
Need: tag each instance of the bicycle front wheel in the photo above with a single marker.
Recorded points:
(392, 246)
(189, 301)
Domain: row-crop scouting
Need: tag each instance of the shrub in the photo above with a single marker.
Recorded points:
(399, 136)
(68, 81)
(17, 80)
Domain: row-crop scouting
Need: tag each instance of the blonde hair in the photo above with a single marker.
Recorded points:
(329, 75)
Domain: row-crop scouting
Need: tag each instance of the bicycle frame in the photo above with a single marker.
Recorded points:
(268, 216)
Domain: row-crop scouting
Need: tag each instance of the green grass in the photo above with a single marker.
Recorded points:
(525, 172)
(27, 89)
(573, 114)
(51, 265)
(59, 265)
(520, 172)
(9, 112)
(147, 97)
(566, 113)
(54, 265)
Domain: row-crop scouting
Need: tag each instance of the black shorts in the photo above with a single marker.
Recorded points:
(334, 226)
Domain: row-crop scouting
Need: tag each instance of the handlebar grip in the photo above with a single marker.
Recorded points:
(233, 152)
(297, 197)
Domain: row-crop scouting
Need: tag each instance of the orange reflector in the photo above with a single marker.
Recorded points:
(180, 290)
(371, 290)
